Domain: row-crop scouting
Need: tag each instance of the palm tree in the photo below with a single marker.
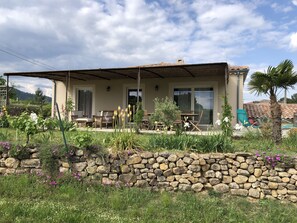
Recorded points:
(281, 77)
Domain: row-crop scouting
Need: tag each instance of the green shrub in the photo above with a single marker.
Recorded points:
(19, 152)
(120, 141)
(210, 143)
(226, 121)
(26, 123)
(290, 142)
(214, 143)
(18, 109)
(3, 118)
(172, 142)
(83, 139)
(166, 112)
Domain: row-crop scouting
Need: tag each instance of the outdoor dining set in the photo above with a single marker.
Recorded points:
(106, 119)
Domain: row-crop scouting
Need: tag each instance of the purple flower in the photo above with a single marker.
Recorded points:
(257, 154)
(5, 145)
(53, 183)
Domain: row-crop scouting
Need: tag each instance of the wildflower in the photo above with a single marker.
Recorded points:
(5, 145)
(187, 125)
(218, 122)
(53, 183)
(277, 157)
(226, 119)
(34, 117)
(257, 154)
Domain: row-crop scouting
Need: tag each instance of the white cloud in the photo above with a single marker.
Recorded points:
(293, 41)
(294, 2)
(115, 33)
(281, 8)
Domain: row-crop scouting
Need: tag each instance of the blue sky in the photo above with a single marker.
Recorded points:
(74, 34)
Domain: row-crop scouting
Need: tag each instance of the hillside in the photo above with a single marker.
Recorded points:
(24, 96)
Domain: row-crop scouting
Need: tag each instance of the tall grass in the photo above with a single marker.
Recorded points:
(208, 143)
(25, 199)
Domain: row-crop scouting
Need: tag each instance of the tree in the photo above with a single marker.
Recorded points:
(39, 97)
(281, 77)
(292, 100)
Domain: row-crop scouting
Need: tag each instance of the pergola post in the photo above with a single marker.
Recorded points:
(7, 90)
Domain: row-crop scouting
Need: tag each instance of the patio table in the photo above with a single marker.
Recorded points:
(190, 118)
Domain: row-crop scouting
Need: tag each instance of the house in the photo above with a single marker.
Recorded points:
(256, 110)
(192, 86)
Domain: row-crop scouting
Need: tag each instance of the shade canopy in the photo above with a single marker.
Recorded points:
(148, 71)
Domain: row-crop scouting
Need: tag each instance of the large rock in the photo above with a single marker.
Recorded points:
(272, 185)
(179, 170)
(221, 188)
(147, 155)
(163, 166)
(243, 172)
(180, 163)
(240, 192)
(197, 187)
(227, 179)
(160, 159)
(275, 179)
(214, 181)
(215, 167)
(257, 172)
(127, 178)
(134, 159)
(91, 169)
(184, 187)
(292, 171)
(254, 193)
(11, 163)
(172, 158)
(102, 169)
(33, 163)
(125, 169)
(240, 179)
(210, 174)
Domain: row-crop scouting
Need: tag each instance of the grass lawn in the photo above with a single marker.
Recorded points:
(26, 199)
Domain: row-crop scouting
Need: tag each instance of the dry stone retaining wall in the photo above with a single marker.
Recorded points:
(240, 174)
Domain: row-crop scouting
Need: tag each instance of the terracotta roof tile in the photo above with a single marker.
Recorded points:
(257, 110)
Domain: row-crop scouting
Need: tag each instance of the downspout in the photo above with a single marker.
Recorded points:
(138, 86)
(7, 90)
(237, 94)
(54, 99)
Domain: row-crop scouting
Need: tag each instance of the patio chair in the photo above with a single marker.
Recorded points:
(107, 118)
(80, 119)
(76, 114)
(243, 118)
(98, 119)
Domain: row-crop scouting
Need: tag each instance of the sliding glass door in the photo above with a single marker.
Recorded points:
(196, 100)
(84, 101)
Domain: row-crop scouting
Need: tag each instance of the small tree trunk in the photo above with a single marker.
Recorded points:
(276, 115)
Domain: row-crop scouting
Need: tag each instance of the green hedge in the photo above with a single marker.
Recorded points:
(18, 109)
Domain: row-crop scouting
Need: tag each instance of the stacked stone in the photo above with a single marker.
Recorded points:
(9, 165)
(236, 173)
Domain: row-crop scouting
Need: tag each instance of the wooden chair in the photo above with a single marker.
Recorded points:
(107, 118)
(98, 119)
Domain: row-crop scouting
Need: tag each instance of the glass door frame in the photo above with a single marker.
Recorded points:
(76, 88)
(198, 84)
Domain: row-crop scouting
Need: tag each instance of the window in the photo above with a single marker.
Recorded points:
(132, 99)
(84, 101)
(196, 100)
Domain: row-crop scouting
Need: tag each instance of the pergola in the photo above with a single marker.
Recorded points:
(163, 70)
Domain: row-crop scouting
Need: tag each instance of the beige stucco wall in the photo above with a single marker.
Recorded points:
(117, 96)
(232, 93)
